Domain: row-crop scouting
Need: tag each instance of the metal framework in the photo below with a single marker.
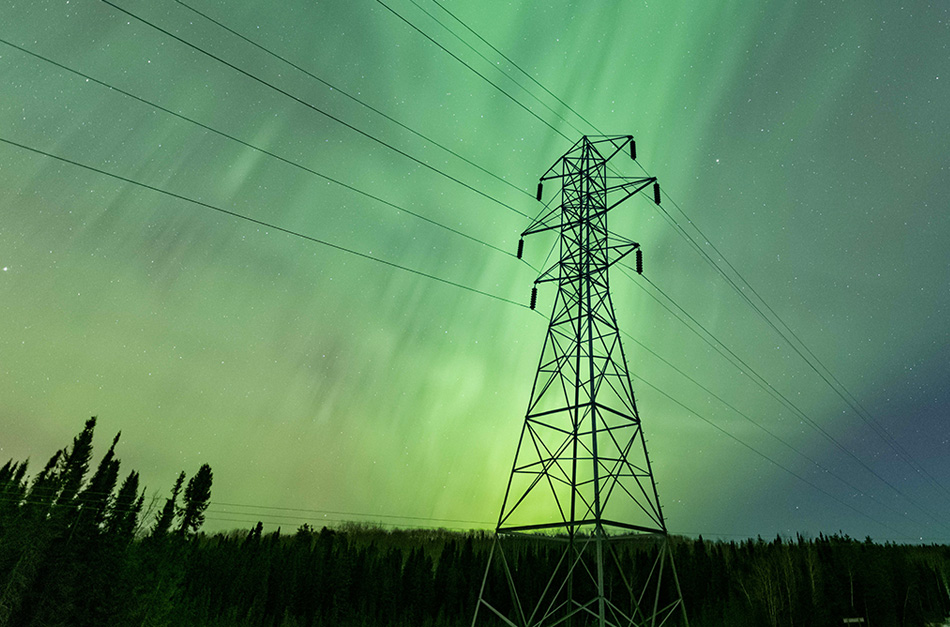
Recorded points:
(581, 485)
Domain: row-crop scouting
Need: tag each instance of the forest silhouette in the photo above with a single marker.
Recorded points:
(80, 550)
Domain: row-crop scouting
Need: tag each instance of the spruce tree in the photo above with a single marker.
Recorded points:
(75, 466)
(163, 521)
(94, 498)
(122, 517)
(43, 489)
(197, 497)
(12, 490)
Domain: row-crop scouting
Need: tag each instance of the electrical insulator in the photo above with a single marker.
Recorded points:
(656, 193)
(633, 150)
(520, 247)
(540, 184)
(534, 297)
(639, 261)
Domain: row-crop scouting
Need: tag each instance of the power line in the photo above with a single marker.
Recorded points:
(79, 502)
(352, 97)
(276, 228)
(764, 456)
(768, 387)
(342, 513)
(476, 51)
(358, 518)
(518, 67)
(762, 427)
(89, 497)
(483, 77)
(852, 402)
(259, 149)
(837, 386)
(269, 225)
(315, 108)
(344, 521)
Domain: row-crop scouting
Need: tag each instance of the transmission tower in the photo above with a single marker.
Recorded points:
(581, 539)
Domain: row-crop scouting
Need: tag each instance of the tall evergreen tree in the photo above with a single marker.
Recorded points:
(76, 465)
(122, 518)
(12, 490)
(43, 489)
(94, 498)
(197, 497)
(58, 547)
(165, 518)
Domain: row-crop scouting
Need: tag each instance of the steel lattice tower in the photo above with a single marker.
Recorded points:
(581, 478)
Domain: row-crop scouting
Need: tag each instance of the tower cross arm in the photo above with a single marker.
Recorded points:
(551, 220)
(617, 143)
(547, 222)
(619, 251)
(638, 186)
(549, 275)
(615, 253)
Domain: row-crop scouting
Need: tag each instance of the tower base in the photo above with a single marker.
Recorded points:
(590, 579)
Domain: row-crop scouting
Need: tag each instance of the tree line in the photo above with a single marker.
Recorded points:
(363, 576)
(78, 550)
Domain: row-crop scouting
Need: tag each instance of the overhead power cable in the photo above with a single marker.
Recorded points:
(296, 521)
(314, 108)
(513, 64)
(750, 372)
(771, 433)
(269, 225)
(347, 513)
(827, 376)
(81, 500)
(344, 249)
(502, 72)
(259, 149)
(352, 97)
(766, 457)
(836, 385)
(824, 373)
(318, 516)
(483, 77)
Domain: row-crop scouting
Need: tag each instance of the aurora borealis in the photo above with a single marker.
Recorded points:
(809, 141)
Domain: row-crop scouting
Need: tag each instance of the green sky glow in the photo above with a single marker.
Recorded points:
(808, 140)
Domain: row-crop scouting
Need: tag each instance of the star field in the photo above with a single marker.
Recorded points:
(807, 140)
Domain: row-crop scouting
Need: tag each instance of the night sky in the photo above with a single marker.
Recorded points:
(808, 141)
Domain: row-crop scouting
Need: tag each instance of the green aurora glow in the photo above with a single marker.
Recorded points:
(808, 140)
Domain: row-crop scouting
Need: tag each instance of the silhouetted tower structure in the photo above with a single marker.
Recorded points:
(581, 538)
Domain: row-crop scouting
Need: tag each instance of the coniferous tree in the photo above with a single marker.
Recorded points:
(75, 466)
(26, 539)
(43, 489)
(197, 497)
(69, 556)
(122, 518)
(253, 537)
(165, 518)
(111, 585)
(49, 561)
(94, 498)
(13, 488)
